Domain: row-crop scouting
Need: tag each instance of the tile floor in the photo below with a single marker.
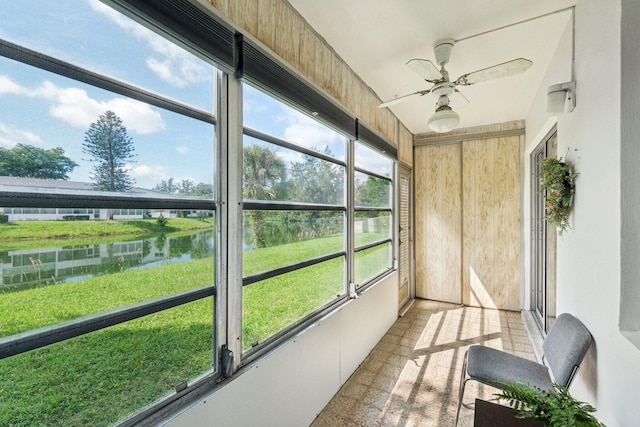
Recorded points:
(411, 377)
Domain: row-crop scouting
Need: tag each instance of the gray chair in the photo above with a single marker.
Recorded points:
(564, 348)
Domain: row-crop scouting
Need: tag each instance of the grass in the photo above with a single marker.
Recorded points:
(293, 295)
(38, 307)
(100, 378)
(263, 259)
(271, 305)
(40, 230)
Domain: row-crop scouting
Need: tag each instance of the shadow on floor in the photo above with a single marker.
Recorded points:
(412, 375)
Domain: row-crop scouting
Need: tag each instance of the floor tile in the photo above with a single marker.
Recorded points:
(411, 377)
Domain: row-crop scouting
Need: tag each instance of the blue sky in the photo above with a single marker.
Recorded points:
(47, 110)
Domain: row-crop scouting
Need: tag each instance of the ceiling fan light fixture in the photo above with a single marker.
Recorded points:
(444, 120)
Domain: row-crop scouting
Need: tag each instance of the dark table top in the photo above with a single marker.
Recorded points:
(489, 414)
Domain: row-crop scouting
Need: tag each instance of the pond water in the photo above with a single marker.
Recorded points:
(24, 269)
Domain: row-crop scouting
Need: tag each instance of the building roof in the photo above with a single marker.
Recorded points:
(35, 183)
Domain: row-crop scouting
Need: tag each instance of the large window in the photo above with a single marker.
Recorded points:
(373, 221)
(107, 246)
(294, 216)
(128, 272)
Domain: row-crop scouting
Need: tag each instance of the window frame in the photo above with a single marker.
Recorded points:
(227, 203)
(251, 353)
(25, 197)
(391, 210)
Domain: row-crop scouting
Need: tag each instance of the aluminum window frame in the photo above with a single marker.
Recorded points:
(227, 203)
(253, 352)
(26, 197)
(391, 209)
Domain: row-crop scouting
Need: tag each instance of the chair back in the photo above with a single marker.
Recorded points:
(565, 346)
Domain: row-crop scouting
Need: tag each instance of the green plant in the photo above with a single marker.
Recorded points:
(162, 221)
(556, 408)
(557, 180)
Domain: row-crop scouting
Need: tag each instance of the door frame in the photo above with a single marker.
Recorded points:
(405, 172)
(543, 240)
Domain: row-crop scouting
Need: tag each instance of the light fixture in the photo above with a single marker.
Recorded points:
(561, 95)
(444, 119)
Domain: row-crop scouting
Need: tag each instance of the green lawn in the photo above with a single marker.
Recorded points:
(38, 230)
(102, 377)
(38, 307)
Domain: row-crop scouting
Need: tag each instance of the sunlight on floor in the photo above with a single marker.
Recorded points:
(412, 376)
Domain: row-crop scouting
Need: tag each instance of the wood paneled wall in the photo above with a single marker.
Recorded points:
(468, 222)
(438, 178)
(491, 223)
(280, 28)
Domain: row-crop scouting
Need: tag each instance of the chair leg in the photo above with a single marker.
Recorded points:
(463, 383)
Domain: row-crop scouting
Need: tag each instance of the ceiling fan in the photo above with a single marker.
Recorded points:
(445, 119)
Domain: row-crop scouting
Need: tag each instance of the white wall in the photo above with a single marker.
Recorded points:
(589, 254)
(290, 386)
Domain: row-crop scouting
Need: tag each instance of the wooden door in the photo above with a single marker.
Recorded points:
(438, 222)
(467, 221)
(491, 223)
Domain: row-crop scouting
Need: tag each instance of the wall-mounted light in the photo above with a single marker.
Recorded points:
(560, 96)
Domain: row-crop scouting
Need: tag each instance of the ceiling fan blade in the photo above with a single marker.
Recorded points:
(403, 98)
(505, 69)
(425, 69)
(458, 100)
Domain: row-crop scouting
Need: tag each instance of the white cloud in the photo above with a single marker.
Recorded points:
(10, 137)
(291, 157)
(77, 108)
(307, 132)
(182, 149)
(171, 63)
(8, 86)
(252, 100)
(157, 173)
(372, 160)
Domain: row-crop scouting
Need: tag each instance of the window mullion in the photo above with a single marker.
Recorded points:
(221, 228)
(350, 216)
(234, 225)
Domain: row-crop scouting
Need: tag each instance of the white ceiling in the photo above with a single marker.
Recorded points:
(377, 37)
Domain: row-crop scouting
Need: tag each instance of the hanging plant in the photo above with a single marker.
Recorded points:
(557, 180)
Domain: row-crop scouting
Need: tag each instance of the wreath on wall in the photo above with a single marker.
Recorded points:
(558, 181)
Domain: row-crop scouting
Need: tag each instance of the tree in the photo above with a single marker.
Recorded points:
(111, 148)
(203, 190)
(374, 192)
(262, 171)
(32, 162)
(186, 187)
(165, 186)
(317, 181)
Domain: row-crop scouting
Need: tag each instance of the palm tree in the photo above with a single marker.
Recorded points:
(262, 171)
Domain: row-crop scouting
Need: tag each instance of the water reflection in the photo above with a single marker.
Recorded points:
(23, 269)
